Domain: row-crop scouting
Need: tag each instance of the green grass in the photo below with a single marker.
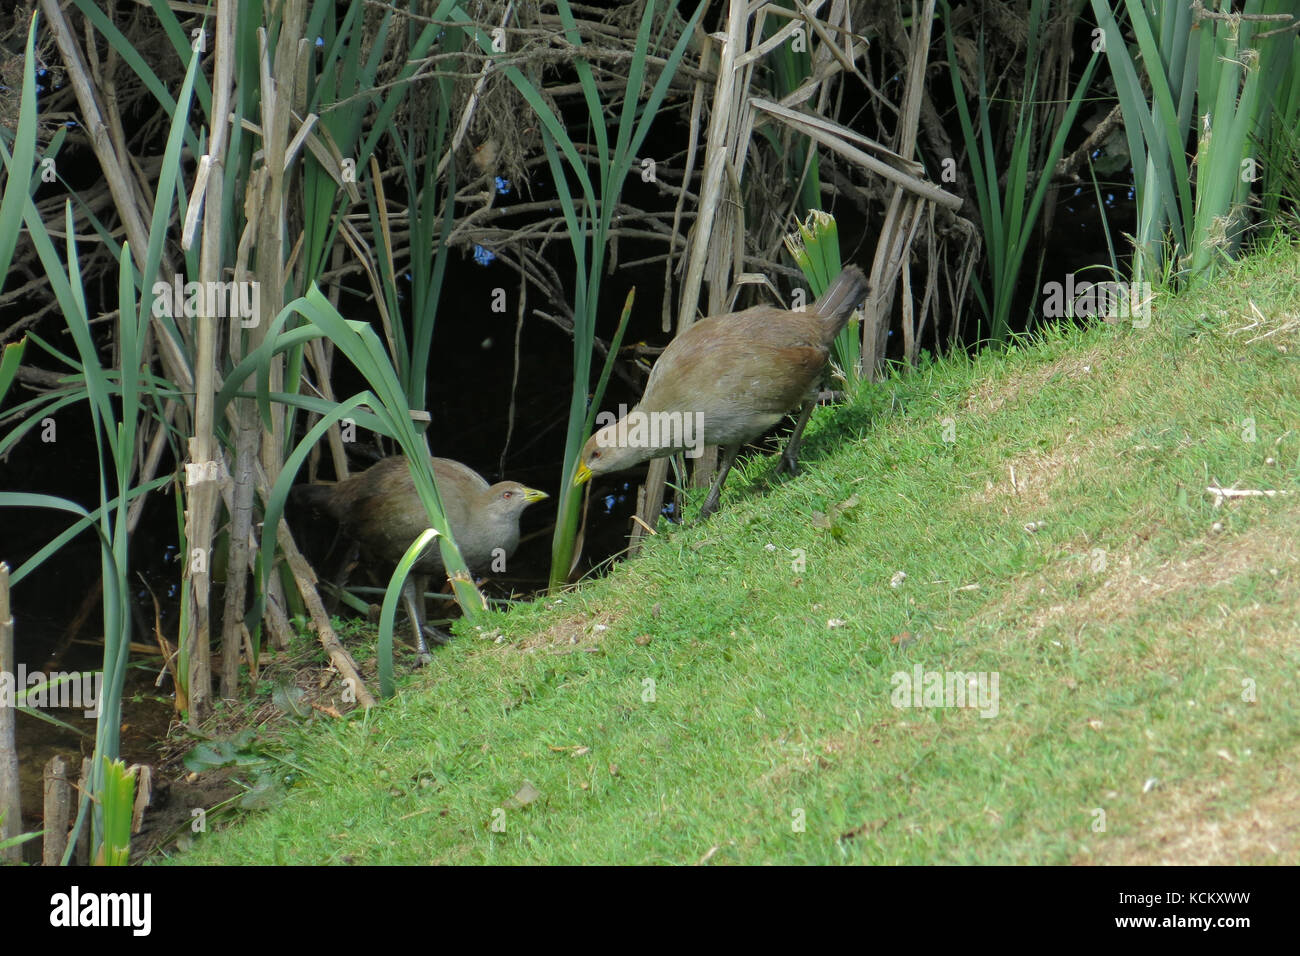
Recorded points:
(1122, 625)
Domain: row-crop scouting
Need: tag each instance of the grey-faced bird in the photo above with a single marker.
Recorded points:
(380, 509)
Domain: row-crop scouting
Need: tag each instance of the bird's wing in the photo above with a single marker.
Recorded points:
(448, 469)
(744, 359)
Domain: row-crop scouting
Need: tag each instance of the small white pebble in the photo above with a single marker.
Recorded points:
(898, 578)
(836, 622)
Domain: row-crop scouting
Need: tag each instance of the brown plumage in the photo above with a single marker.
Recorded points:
(381, 510)
(742, 372)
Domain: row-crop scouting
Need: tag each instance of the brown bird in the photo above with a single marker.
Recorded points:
(381, 510)
(736, 375)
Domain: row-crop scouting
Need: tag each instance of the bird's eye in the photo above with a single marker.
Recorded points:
(506, 494)
(595, 453)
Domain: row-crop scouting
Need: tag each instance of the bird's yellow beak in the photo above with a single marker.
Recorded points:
(532, 494)
(583, 474)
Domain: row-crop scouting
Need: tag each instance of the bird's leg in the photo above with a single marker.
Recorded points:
(351, 554)
(413, 597)
(790, 455)
(711, 502)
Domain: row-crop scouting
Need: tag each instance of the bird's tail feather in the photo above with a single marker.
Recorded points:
(844, 293)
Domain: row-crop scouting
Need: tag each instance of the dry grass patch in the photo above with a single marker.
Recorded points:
(1186, 826)
(1281, 329)
(1139, 581)
(1030, 477)
(794, 759)
(993, 394)
(580, 630)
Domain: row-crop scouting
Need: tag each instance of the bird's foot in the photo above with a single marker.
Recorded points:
(435, 636)
(422, 658)
(789, 464)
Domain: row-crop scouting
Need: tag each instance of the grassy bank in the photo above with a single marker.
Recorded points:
(1039, 515)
